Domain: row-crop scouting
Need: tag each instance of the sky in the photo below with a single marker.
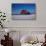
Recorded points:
(16, 8)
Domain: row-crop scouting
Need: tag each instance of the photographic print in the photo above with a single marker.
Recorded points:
(21, 11)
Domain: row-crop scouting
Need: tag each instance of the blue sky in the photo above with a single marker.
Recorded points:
(16, 8)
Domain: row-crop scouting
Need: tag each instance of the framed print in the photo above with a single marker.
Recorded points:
(23, 11)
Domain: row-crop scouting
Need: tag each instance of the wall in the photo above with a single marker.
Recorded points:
(25, 26)
(5, 6)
